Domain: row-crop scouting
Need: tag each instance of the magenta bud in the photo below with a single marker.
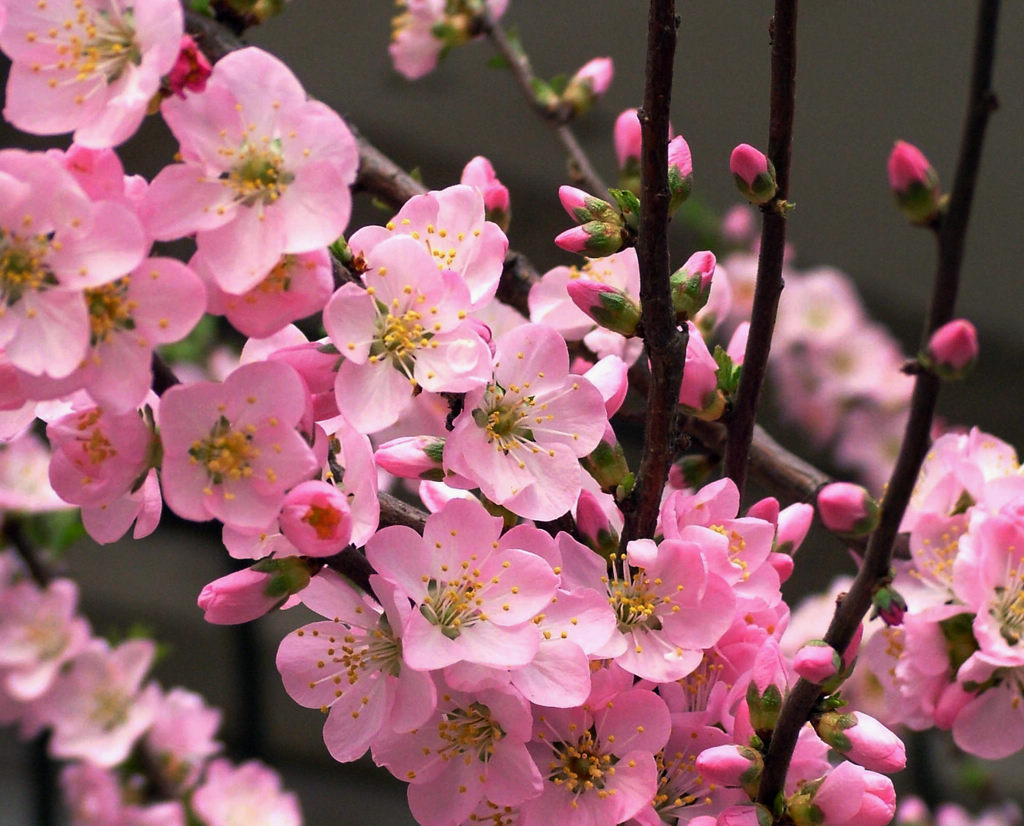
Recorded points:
(862, 739)
(190, 70)
(316, 518)
(847, 509)
(890, 605)
(680, 172)
(952, 349)
(588, 84)
(753, 173)
(412, 457)
(691, 284)
(766, 509)
(240, 597)
(480, 173)
(609, 307)
(594, 239)
(817, 661)
(915, 183)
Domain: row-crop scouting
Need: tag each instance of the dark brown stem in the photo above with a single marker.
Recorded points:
(768, 286)
(522, 71)
(664, 344)
(13, 532)
(951, 231)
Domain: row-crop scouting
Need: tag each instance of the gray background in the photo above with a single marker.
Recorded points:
(868, 73)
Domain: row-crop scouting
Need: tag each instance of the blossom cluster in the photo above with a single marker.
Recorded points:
(136, 754)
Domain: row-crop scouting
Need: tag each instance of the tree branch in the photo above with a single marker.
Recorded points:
(768, 287)
(951, 230)
(664, 344)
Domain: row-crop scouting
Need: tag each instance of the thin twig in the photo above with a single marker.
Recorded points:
(522, 71)
(951, 230)
(664, 344)
(768, 287)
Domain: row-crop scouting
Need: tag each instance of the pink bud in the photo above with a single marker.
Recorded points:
(737, 349)
(700, 373)
(852, 796)
(847, 509)
(908, 166)
(817, 661)
(783, 564)
(793, 524)
(594, 526)
(574, 201)
(588, 84)
(238, 597)
(702, 263)
(480, 173)
(738, 225)
(680, 172)
(573, 240)
(753, 173)
(730, 765)
(766, 509)
(609, 307)
(316, 518)
(190, 70)
(745, 814)
(873, 746)
(627, 137)
(953, 348)
(412, 457)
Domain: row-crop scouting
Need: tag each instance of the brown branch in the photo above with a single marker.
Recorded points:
(664, 344)
(558, 118)
(951, 230)
(768, 287)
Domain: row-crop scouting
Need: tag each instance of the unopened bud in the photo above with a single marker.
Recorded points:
(190, 70)
(316, 518)
(753, 173)
(847, 509)
(607, 462)
(479, 173)
(952, 349)
(793, 524)
(691, 285)
(412, 457)
(588, 84)
(594, 528)
(593, 239)
(611, 308)
(862, 739)
(915, 183)
(680, 172)
(628, 140)
(817, 661)
(250, 593)
(889, 604)
(732, 766)
(583, 207)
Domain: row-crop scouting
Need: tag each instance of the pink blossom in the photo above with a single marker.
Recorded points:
(474, 600)
(589, 83)
(520, 438)
(92, 70)
(479, 173)
(352, 665)
(297, 286)
(231, 450)
(109, 521)
(451, 225)
(316, 518)
(265, 172)
(249, 794)
(24, 476)
(182, 735)
(700, 373)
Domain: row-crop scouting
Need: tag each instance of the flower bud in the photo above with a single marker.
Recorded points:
(691, 284)
(479, 173)
(240, 597)
(764, 697)
(628, 140)
(593, 239)
(583, 207)
(609, 307)
(745, 814)
(412, 457)
(190, 70)
(862, 739)
(732, 766)
(793, 524)
(952, 349)
(766, 509)
(890, 605)
(847, 509)
(680, 172)
(914, 183)
(594, 528)
(817, 661)
(588, 84)
(753, 173)
(316, 518)
(607, 462)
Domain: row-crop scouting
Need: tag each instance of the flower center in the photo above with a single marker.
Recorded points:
(502, 416)
(323, 520)
(110, 708)
(1008, 608)
(279, 280)
(110, 310)
(580, 767)
(259, 176)
(22, 266)
(469, 731)
(226, 453)
(633, 597)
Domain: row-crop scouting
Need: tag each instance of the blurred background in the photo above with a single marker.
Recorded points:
(869, 72)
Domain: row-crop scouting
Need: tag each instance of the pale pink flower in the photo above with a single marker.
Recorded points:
(249, 794)
(182, 735)
(422, 31)
(474, 600)
(521, 437)
(479, 173)
(598, 760)
(39, 633)
(110, 521)
(55, 242)
(98, 707)
(408, 328)
(297, 286)
(352, 665)
(473, 749)
(91, 67)
(450, 224)
(266, 171)
(700, 373)
(24, 476)
(98, 457)
(231, 450)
